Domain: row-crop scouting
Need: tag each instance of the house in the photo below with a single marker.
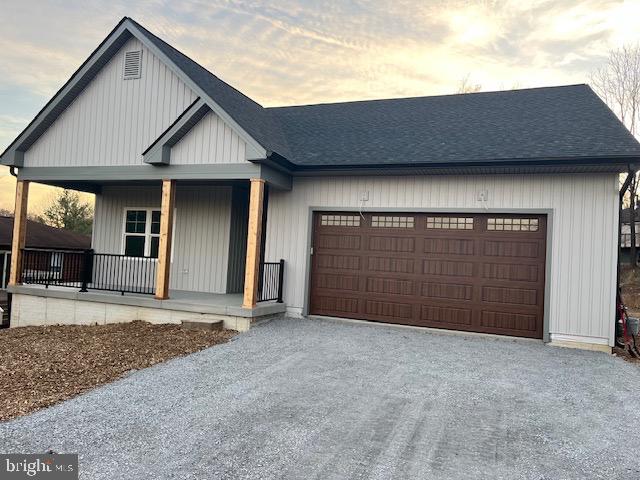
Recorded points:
(43, 263)
(41, 238)
(491, 212)
(625, 235)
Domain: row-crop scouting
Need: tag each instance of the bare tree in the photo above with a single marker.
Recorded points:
(618, 84)
(465, 85)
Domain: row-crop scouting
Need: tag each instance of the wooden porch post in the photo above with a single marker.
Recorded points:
(19, 231)
(166, 237)
(252, 265)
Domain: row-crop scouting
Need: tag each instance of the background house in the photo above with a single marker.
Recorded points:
(39, 236)
(625, 235)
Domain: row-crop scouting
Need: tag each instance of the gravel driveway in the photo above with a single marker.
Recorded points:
(330, 400)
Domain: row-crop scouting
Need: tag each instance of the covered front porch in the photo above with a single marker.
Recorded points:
(175, 250)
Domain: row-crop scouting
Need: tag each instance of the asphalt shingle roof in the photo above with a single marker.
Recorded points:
(517, 125)
(551, 123)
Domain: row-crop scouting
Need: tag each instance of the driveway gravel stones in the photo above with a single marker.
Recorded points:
(333, 400)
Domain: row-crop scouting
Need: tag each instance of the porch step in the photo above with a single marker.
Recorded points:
(202, 325)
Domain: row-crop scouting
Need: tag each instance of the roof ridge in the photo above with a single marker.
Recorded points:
(420, 97)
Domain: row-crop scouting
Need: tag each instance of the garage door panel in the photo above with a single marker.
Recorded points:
(390, 286)
(512, 272)
(388, 244)
(508, 321)
(338, 262)
(388, 309)
(337, 305)
(446, 291)
(339, 241)
(335, 281)
(438, 271)
(447, 268)
(509, 295)
(506, 248)
(443, 315)
(391, 265)
(449, 246)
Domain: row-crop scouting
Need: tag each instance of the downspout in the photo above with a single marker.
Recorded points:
(12, 171)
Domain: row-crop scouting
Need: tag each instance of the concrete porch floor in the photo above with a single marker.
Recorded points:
(194, 302)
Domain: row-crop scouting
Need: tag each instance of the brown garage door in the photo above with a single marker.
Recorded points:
(480, 273)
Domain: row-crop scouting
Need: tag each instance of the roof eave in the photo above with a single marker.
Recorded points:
(615, 162)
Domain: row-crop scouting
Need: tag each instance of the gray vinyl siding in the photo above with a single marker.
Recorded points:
(238, 239)
(114, 120)
(211, 140)
(201, 237)
(582, 278)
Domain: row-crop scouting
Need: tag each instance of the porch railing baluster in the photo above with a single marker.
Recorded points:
(271, 281)
(88, 270)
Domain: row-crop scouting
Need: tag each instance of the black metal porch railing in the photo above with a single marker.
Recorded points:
(89, 270)
(271, 281)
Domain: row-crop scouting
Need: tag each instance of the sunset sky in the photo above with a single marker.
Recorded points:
(297, 52)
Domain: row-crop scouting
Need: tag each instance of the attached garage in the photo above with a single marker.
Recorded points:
(472, 272)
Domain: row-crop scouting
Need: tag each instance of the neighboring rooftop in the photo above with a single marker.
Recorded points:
(40, 235)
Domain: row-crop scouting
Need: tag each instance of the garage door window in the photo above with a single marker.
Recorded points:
(513, 224)
(340, 220)
(392, 222)
(450, 223)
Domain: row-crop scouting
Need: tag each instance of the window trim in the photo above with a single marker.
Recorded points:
(147, 232)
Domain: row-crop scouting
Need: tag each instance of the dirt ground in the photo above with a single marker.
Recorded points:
(630, 286)
(630, 289)
(40, 366)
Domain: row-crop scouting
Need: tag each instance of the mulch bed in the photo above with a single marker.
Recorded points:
(40, 366)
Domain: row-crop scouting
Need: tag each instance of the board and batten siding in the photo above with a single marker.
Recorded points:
(211, 140)
(582, 249)
(201, 235)
(114, 120)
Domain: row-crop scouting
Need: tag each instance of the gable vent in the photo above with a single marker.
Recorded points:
(132, 64)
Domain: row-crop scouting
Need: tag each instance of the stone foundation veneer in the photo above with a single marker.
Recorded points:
(33, 310)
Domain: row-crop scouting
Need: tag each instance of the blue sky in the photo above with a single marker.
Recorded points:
(293, 52)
